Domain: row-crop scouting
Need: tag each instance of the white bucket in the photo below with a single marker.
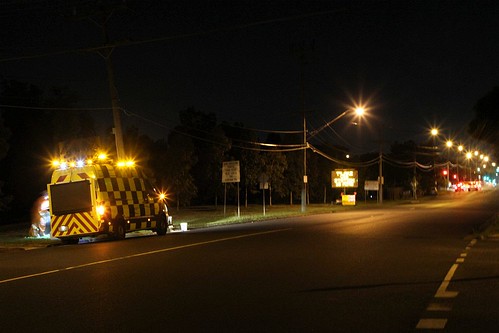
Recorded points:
(183, 226)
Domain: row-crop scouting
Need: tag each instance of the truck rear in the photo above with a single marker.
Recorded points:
(92, 199)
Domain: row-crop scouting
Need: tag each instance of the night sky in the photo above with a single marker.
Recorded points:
(416, 63)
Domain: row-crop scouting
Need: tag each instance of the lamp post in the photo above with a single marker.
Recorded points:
(468, 157)
(359, 111)
(434, 133)
(460, 149)
(476, 153)
(449, 146)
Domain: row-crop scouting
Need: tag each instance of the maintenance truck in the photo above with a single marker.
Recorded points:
(90, 199)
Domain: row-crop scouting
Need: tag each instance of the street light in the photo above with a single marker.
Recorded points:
(449, 145)
(468, 157)
(434, 133)
(460, 149)
(359, 111)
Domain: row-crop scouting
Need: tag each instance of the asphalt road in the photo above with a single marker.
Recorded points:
(400, 269)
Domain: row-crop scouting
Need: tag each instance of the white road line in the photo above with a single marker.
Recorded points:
(439, 323)
(442, 290)
(432, 323)
(439, 307)
(100, 262)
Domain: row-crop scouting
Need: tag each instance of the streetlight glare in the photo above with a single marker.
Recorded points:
(434, 131)
(448, 143)
(359, 110)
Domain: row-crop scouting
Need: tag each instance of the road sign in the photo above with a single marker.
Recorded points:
(230, 172)
(342, 178)
(348, 199)
(371, 185)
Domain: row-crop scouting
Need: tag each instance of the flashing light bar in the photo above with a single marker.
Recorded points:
(80, 163)
(128, 163)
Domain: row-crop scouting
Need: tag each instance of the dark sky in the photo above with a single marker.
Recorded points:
(417, 63)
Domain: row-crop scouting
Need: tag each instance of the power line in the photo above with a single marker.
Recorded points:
(51, 108)
(174, 37)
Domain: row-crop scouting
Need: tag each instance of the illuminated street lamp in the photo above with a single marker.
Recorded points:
(460, 148)
(468, 157)
(359, 111)
(449, 144)
(434, 133)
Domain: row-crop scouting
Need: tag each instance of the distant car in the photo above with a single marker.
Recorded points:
(460, 187)
(474, 186)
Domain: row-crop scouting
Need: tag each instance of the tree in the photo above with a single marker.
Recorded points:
(210, 145)
(38, 121)
(23, 168)
(247, 153)
(274, 165)
(175, 169)
(4, 147)
(486, 121)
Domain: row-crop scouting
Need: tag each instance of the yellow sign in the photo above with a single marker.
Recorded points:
(342, 178)
(230, 172)
(348, 199)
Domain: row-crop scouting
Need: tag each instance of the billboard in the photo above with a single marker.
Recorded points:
(343, 178)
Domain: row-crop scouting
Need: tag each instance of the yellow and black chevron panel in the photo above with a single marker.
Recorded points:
(73, 224)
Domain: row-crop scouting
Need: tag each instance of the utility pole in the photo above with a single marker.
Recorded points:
(380, 169)
(300, 49)
(118, 132)
(105, 13)
(380, 192)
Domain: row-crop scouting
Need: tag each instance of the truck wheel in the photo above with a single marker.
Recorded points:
(162, 225)
(120, 232)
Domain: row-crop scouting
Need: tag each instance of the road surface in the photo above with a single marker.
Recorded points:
(407, 268)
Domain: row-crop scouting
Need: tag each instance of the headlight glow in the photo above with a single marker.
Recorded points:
(101, 210)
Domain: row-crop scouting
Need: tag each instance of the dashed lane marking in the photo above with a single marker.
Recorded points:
(439, 307)
(433, 323)
(442, 290)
